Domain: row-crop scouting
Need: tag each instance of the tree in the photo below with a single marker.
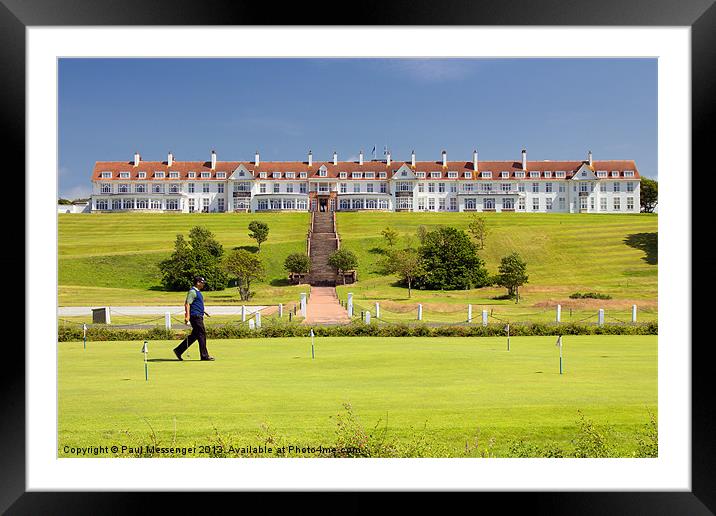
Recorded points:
(297, 263)
(246, 267)
(450, 261)
(478, 229)
(406, 264)
(200, 255)
(648, 195)
(259, 231)
(512, 274)
(64, 201)
(390, 235)
(343, 260)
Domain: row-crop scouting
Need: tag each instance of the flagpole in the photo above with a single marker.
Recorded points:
(560, 354)
(313, 355)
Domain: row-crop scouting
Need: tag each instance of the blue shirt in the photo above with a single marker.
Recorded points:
(196, 305)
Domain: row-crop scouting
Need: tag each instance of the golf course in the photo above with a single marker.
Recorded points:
(434, 397)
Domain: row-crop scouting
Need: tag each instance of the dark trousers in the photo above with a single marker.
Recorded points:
(197, 333)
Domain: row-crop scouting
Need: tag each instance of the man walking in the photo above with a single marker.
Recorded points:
(194, 313)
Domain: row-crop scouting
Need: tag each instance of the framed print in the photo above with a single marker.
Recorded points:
(421, 257)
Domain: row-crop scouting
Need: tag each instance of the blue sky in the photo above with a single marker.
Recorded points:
(555, 108)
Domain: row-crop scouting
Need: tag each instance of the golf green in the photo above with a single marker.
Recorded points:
(457, 396)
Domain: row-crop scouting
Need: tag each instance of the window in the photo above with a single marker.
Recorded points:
(142, 204)
(535, 187)
(220, 187)
(508, 203)
(521, 204)
(191, 187)
(263, 175)
(220, 203)
(205, 205)
(615, 173)
(421, 187)
(602, 187)
(421, 203)
(617, 204)
(205, 175)
(617, 186)
(370, 175)
(453, 203)
(603, 204)
(560, 173)
(101, 204)
(289, 187)
(601, 173)
(405, 203)
(172, 204)
(630, 186)
(405, 186)
(142, 175)
(486, 174)
(357, 204)
(303, 187)
(435, 174)
(205, 187)
(452, 175)
(322, 173)
(441, 187)
(520, 175)
(548, 187)
(453, 187)
(369, 188)
(535, 204)
(156, 204)
(106, 175)
(275, 204)
(489, 203)
(534, 174)
(467, 187)
(486, 187)
(344, 188)
(504, 174)
(468, 175)
(343, 175)
(505, 187)
(562, 188)
(441, 204)
(420, 175)
(128, 204)
(263, 204)
(470, 204)
(301, 204)
(584, 187)
(630, 204)
(174, 175)
(158, 175)
(344, 204)
(124, 175)
(371, 204)
(356, 187)
(591, 203)
(547, 174)
(356, 175)
(431, 187)
(628, 173)
(262, 187)
(106, 188)
(290, 175)
(276, 188)
(382, 175)
(431, 204)
(276, 175)
(192, 207)
(383, 187)
(221, 175)
(191, 175)
(582, 203)
(548, 203)
(289, 204)
(520, 187)
(304, 175)
(562, 203)
(140, 188)
(116, 204)
(157, 188)
(174, 188)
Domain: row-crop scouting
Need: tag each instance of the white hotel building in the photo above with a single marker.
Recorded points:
(586, 186)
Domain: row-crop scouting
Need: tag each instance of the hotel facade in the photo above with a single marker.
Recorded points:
(581, 186)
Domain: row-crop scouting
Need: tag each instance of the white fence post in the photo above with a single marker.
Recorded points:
(367, 317)
(280, 310)
(559, 313)
(601, 317)
(243, 313)
(251, 324)
(303, 304)
(469, 313)
(377, 310)
(257, 316)
(484, 317)
(350, 304)
(420, 312)
(167, 320)
(633, 313)
(109, 316)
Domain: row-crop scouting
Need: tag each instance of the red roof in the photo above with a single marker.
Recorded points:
(333, 171)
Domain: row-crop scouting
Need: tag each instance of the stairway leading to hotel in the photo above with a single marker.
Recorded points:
(323, 242)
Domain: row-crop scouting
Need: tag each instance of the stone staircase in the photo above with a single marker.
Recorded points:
(323, 242)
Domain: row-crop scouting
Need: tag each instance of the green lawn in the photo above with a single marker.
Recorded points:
(449, 392)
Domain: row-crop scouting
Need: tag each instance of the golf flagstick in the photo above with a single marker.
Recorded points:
(313, 355)
(84, 335)
(559, 345)
(145, 350)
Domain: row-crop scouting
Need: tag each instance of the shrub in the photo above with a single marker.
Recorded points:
(258, 231)
(200, 255)
(297, 263)
(589, 295)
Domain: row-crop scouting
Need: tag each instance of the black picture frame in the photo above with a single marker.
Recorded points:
(699, 15)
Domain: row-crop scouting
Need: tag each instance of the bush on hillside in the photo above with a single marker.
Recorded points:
(589, 295)
(201, 255)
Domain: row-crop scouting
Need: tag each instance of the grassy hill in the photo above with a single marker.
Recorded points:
(110, 259)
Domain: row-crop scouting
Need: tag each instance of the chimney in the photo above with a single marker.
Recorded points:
(170, 159)
(257, 159)
(474, 160)
(591, 163)
(524, 159)
(310, 158)
(136, 159)
(412, 158)
(387, 159)
(360, 157)
(335, 158)
(213, 160)
(444, 158)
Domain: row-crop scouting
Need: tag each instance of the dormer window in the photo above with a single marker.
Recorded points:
(487, 174)
(205, 174)
(304, 175)
(382, 175)
(290, 175)
(106, 175)
(356, 175)
(142, 175)
(173, 175)
(601, 173)
(628, 173)
(191, 174)
(435, 174)
(534, 174)
(263, 175)
(452, 175)
(370, 175)
(221, 175)
(124, 175)
(468, 175)
(504, 173)
(547, 174)
(520, 174)
(615, 173)
(343, 175)
(322, 173)
(560, 173)
(158, 175)
(276, 175)
(420, 175)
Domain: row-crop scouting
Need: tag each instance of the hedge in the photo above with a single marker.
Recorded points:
(358, 329)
